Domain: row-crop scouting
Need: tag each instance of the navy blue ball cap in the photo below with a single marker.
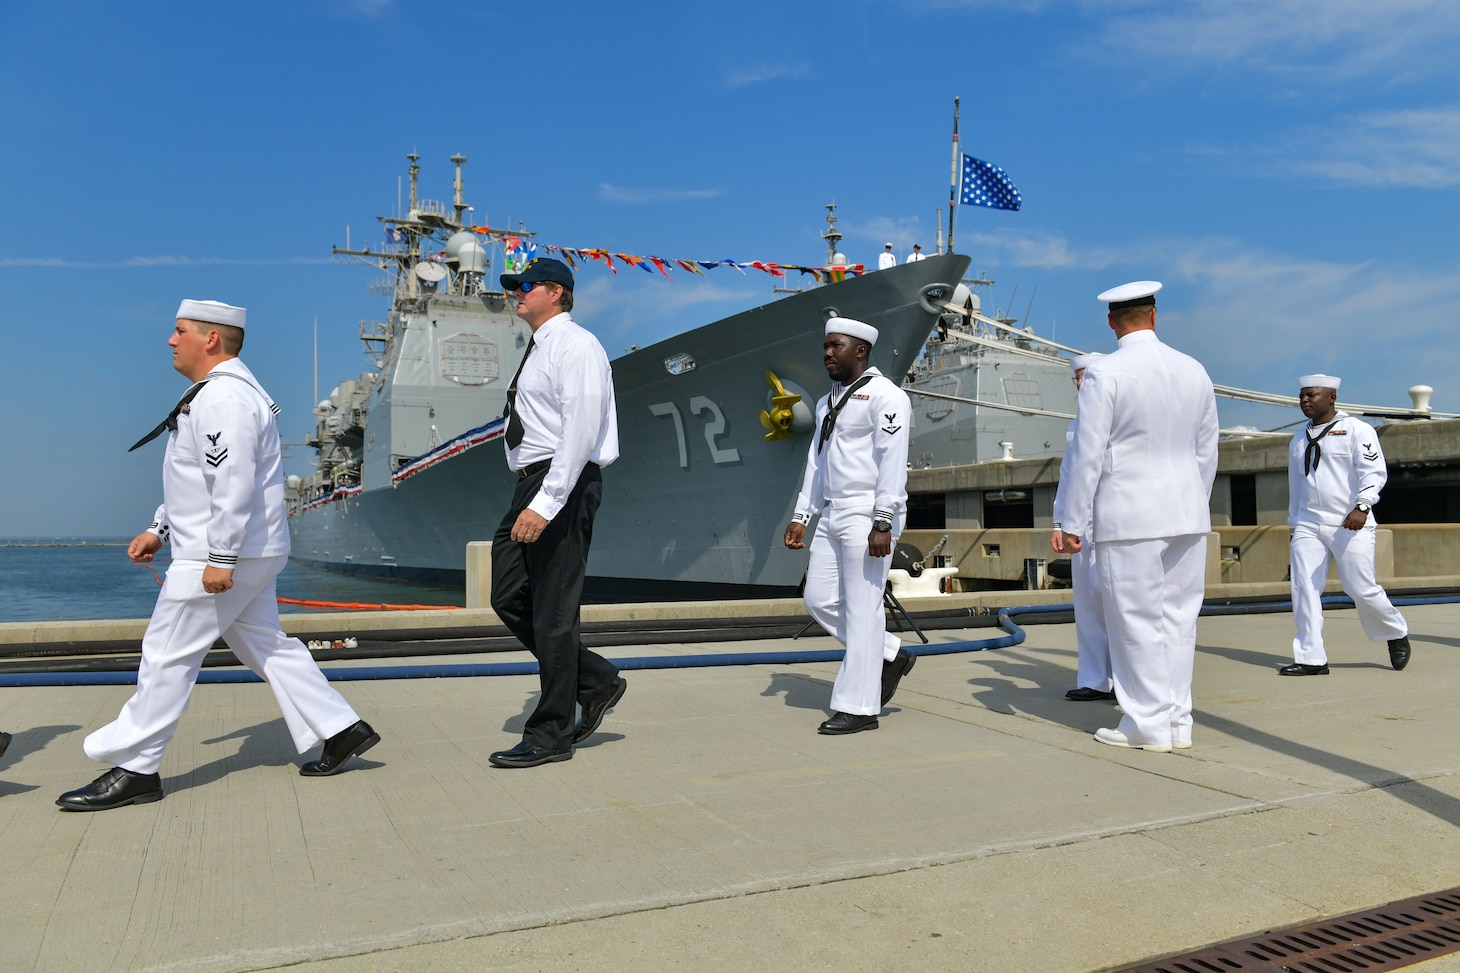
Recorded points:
(539, 270)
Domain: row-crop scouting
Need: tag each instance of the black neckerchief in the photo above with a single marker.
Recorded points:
(170, 423)
(829, 422)
(1313, 452)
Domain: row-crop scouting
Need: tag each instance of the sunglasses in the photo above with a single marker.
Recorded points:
(527, 286)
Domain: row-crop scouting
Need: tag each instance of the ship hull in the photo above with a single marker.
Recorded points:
(698, 501)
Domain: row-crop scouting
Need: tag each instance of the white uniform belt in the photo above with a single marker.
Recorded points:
(857, 500)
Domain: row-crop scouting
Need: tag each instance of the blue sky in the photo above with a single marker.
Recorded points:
(1289, 168)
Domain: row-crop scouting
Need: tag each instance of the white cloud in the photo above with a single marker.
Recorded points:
(759, 72)
(1411, 147)
(1324, 39)
(625, 194)
(1036, 250)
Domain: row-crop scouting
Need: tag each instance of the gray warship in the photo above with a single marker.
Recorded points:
(714, 423)
(985, 389)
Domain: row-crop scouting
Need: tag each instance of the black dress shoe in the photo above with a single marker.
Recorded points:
(1302, 669)
(527, 755)
(4, 742)
(115, 788)
(847, 723)
(892, 672)
(597, 708)
(349, 742)
(1084, 694)
(1398, 654)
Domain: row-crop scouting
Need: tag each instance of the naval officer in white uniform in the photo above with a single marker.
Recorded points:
(1335, 472)
(856, 480)
(886, 258)
(1138, 481)
(1092, 673)
(223, 509)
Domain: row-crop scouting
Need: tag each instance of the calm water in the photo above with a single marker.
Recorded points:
(67, 580)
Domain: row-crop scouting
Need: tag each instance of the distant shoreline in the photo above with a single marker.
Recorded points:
(64, 541)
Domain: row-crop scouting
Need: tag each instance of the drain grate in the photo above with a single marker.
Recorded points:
(1387, 938)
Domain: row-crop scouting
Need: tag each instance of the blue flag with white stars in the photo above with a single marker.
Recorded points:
(985, 184)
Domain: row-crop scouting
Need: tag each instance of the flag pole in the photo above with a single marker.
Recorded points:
(953, 177)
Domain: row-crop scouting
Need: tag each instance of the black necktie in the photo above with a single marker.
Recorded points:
(829, 423)
(170, 423)
(514, 424)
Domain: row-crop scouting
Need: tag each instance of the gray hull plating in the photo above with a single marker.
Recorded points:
(698, 500)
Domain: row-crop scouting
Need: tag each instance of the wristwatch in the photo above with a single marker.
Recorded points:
(882, 526)
(1361, 507)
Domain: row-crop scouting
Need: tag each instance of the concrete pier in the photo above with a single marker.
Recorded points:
(707, 825)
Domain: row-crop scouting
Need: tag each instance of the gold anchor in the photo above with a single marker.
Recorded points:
(777, 420)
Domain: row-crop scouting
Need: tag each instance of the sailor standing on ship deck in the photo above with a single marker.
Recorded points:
(856, 480)
(1335, 472)
(562, 429)
(886, 258)
(223, 508)
(1092, 674)
(1139, 474)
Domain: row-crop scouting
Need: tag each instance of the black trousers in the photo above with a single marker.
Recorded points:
(537, 590)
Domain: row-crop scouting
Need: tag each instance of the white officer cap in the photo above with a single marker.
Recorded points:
(1134, 294)
(888, 244)
(853, 327)
(1084, 361)
(213, 312)
(1319, 381)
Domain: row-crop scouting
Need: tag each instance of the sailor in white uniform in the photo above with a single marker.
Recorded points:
(886, 258)
(856, 481)
(916, 255)
(1137, 480)
(1092, 674)
(1335, 472)
(223, 511)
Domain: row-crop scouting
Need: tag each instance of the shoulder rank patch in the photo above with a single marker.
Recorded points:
(1370, 453)
(215, 456)
(892, 426)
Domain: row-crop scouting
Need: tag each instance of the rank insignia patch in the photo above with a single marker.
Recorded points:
(215, 457)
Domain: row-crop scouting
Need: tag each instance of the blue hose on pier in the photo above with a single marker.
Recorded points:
(1014, 637)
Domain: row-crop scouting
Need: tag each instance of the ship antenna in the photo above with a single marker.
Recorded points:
(832, 236)
(457, 202)
(415, 171)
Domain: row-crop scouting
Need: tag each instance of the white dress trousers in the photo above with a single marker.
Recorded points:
(1091, 640)
(844, 588)
(185, 624)
(1352, 551)
(1153, 593)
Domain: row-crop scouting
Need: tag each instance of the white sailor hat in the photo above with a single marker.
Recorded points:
(1319, 381)
(1134, 294)
(888, 245)
(213, 312)
(1085, 361)
(853, 327)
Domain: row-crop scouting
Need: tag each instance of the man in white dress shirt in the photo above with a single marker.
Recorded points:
(562, 429)
(886, 258)
(1138, 480)
(856, 480)
(916, 255)
(1092, 673)
(1335, 472)
(223, 511)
